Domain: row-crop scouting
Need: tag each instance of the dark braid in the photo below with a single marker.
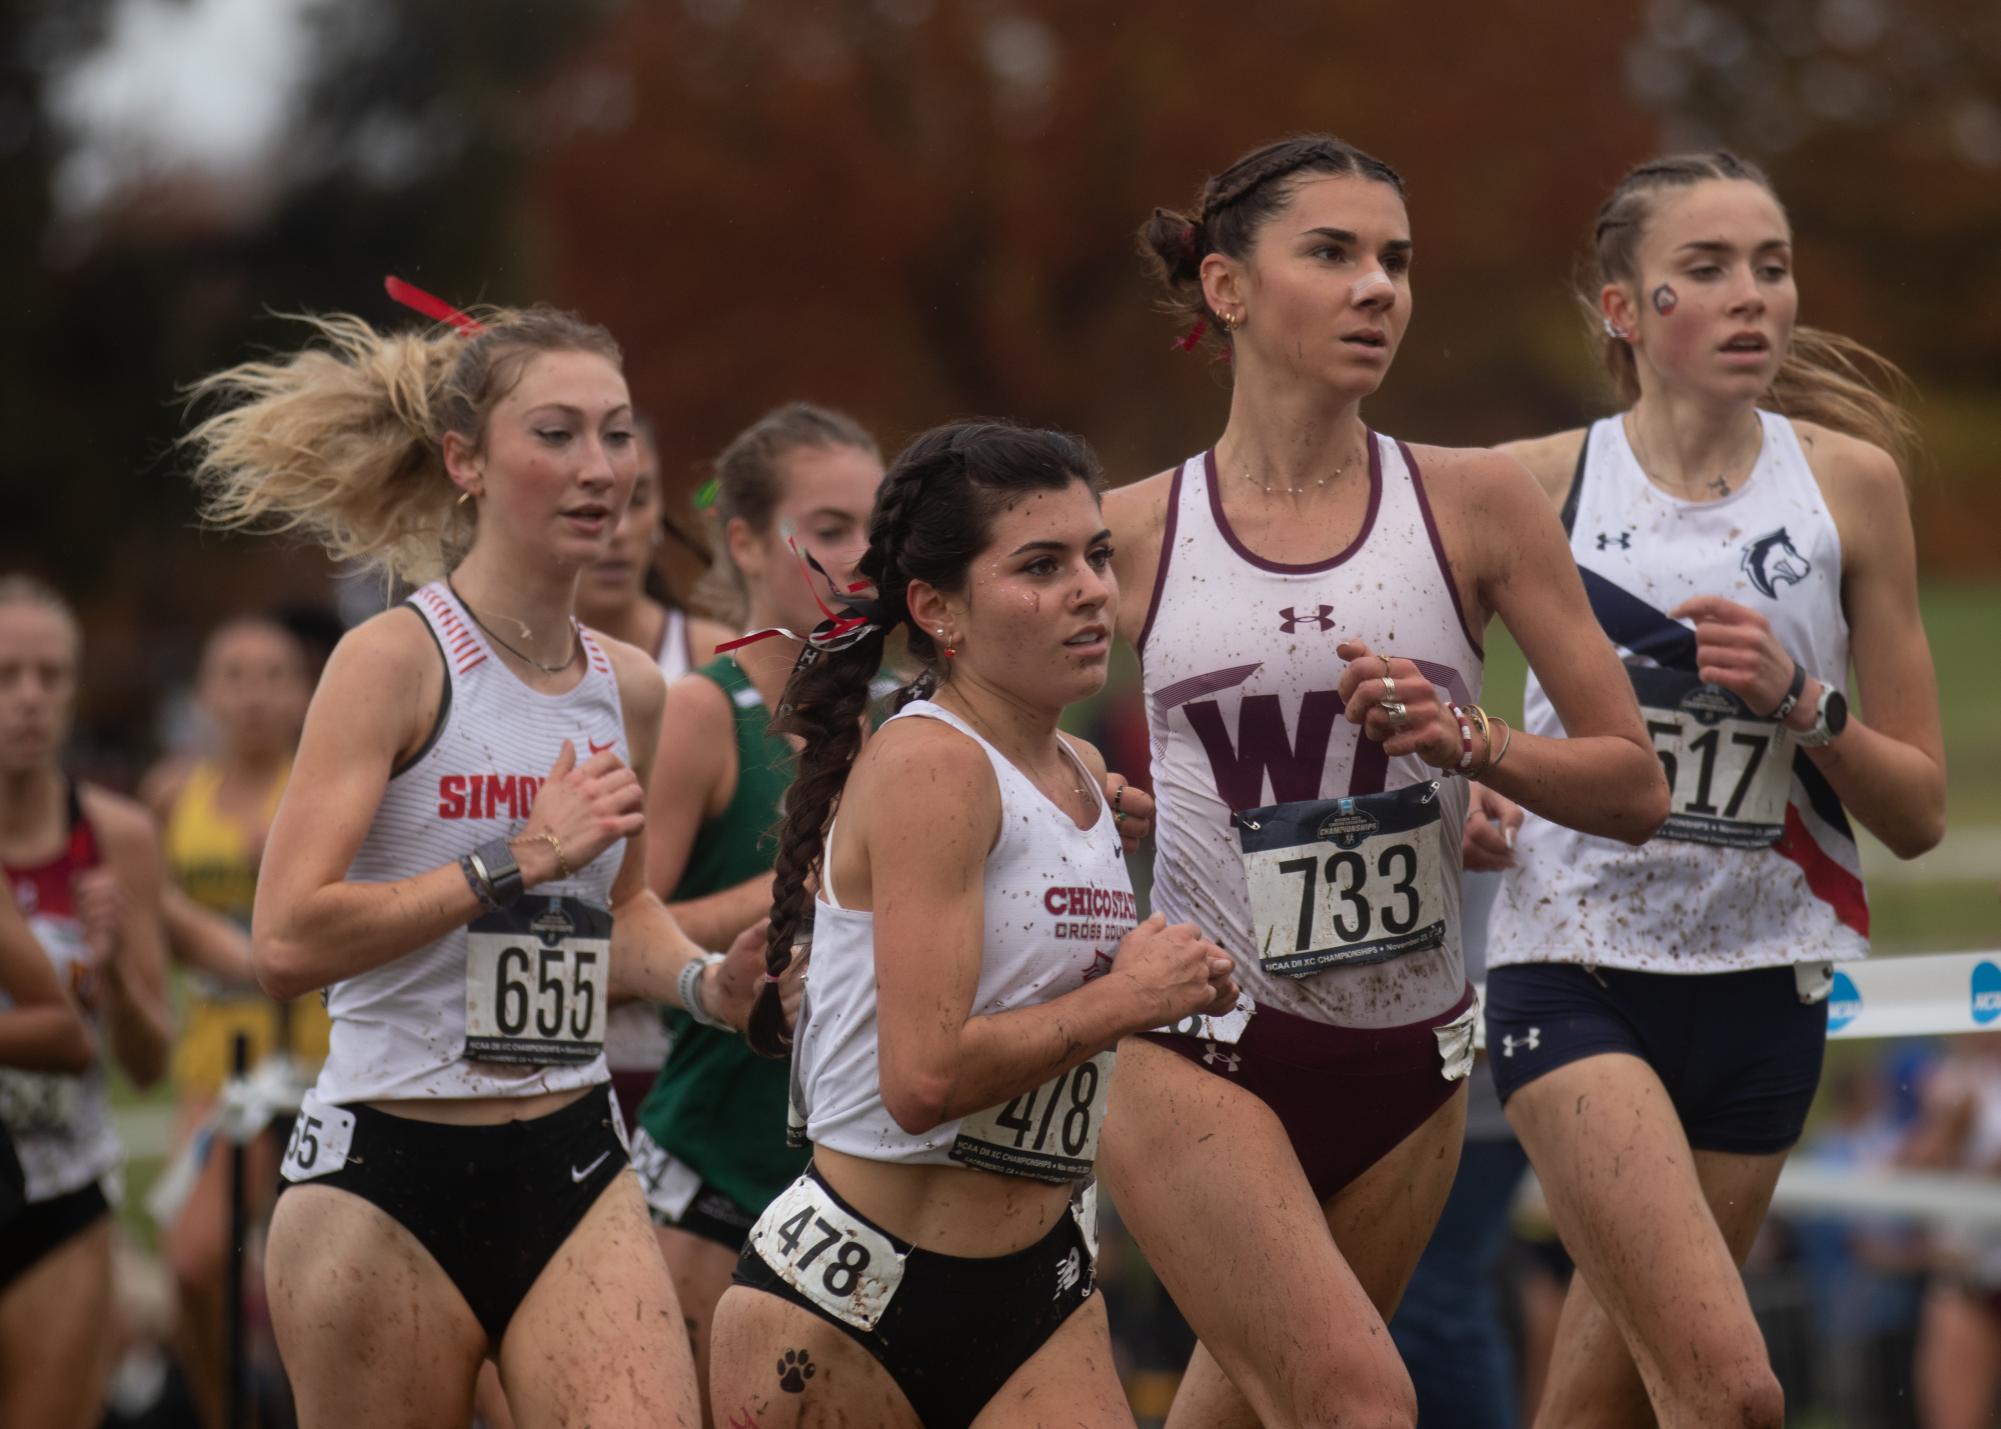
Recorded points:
(933, 515)
(1234, 205)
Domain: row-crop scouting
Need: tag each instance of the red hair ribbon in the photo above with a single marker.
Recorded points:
(431, 306)
(838, 631)
(1189, 340)
(1188, 240)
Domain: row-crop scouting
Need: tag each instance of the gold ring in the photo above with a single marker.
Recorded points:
(1389, 688)
(1394, 711)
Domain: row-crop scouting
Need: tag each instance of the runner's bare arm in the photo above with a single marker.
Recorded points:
(1889, 767)
(925, 883)
(1603, 778)
(132, 964)
(42, 1030)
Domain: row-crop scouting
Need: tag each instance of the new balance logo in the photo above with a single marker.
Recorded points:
(1320, 619)
(1527, 1044)
(1069, 1270)
(1624, 541)
(1212, 1055)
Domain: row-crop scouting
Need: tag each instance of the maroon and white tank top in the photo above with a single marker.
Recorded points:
(1330, 871)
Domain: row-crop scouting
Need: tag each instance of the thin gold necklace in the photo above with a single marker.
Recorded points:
(1718, 484)
(576, 642)
(986, 733)
(1318, 481)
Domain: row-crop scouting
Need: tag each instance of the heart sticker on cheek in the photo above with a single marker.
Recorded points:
(1664, 299)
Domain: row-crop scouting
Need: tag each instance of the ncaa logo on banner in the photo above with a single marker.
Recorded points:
(1844, 1002)
(1986, 992)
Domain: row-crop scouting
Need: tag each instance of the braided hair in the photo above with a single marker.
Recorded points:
(933, 515)
(1232, 206)
(1823, 376)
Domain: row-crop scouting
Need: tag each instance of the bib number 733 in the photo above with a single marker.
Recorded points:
(1338, 882)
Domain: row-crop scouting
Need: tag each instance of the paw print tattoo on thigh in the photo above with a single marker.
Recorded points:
(794, 1369)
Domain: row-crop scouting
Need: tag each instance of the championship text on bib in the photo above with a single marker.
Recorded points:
(536, 979)
(1729, 771)
(1047, 1134)
(1338, 882)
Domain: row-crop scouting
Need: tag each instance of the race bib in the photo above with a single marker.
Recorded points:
(834, 1258)
(669, 1186)
(322, 1135)
(536, 977)
(39, 1103)
(1048, 1134)
(1340, 882)
(1729, 771)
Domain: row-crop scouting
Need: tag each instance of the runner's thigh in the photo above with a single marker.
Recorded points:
(1624, 1191)
(1204, 1177)
(54, 1346)
(371, 1330)
(1070, 1383)
(599, 1339)
(774, 1365)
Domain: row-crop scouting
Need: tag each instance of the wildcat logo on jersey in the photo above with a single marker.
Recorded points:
(1320, 619)
(1772, 561)
(487, 796)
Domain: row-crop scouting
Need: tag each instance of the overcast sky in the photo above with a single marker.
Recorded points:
(207, 83)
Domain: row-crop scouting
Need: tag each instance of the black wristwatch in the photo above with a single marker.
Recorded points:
(499, 875)
(1830, 717)
(1793, 692)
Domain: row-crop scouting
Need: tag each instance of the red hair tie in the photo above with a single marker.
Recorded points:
(1188, 240)
(431, 306)
(1189, 340)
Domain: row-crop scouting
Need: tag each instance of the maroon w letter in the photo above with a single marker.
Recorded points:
(1264, 749)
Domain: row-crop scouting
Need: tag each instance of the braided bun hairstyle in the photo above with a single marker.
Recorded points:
(933, 515)
(1232, 206)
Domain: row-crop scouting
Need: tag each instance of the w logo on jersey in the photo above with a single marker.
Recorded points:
(1291, 619)
(1772, 561)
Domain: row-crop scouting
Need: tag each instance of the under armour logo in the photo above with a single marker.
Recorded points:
(1212, 1055)
(1624, 541)
(1319, 619)
(1069, 1270)
(1527, 1044)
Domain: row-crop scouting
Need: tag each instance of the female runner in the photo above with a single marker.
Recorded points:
(1665, 1008)
(613, 599)
(711, 1147)
(454, 1185)
(84, 867)
(216, 813)
(974, 960)
(1311, 651)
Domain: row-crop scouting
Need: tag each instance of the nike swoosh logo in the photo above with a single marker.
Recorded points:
(577, 1176)
(597, 748)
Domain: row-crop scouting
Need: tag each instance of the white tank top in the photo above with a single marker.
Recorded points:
(401, 1030)
(61, 1124)
(1241, 676)
(1057, 902)
(674, 645)
(1756, 866)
